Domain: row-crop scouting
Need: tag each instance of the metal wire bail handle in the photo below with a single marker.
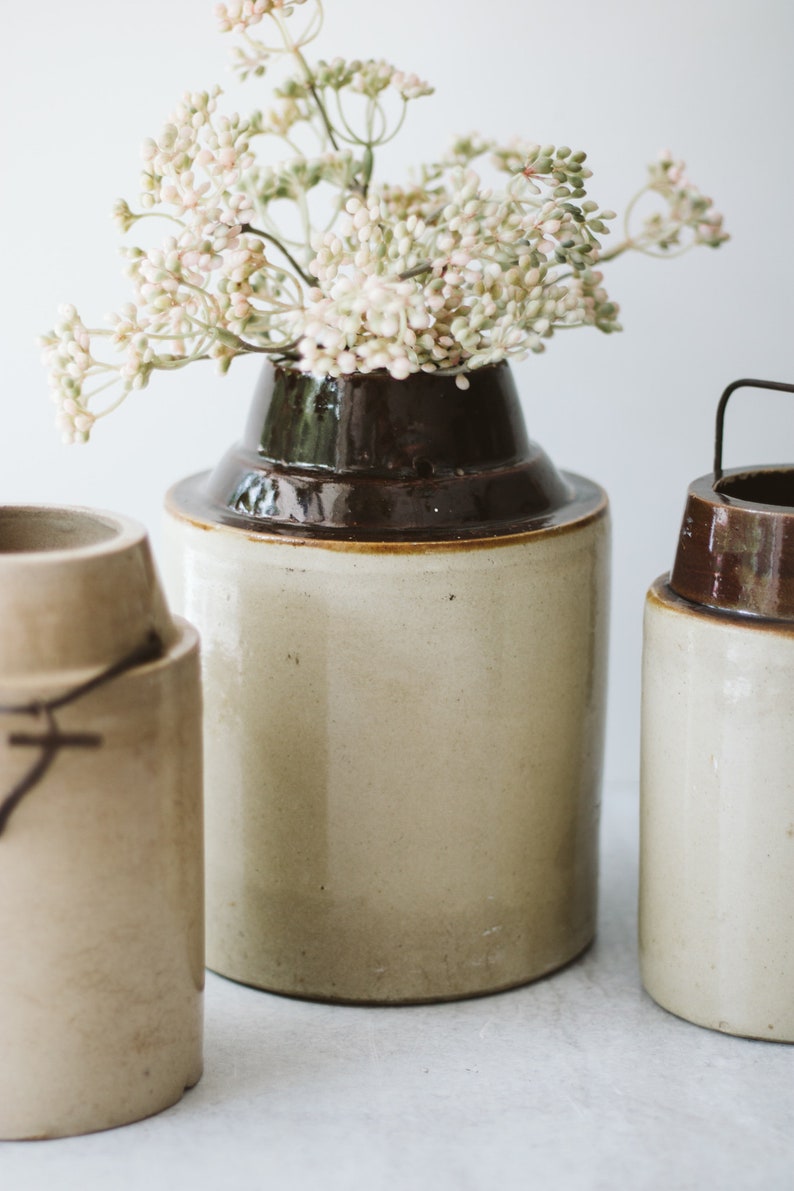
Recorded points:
(747, 383)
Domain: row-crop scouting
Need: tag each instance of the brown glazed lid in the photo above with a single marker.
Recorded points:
(736, 547)
(370, 458)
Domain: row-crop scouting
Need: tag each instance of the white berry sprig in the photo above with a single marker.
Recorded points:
(281, 239)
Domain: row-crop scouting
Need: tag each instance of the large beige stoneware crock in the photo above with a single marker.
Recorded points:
(101, 912)
(403, 609)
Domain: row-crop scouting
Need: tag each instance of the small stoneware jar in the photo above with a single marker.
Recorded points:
(403, 610)
(717, 787)
(101, 910)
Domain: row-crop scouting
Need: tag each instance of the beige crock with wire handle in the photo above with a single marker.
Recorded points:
(717, 787)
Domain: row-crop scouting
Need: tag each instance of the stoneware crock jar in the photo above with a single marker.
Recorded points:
(101, 912)
(717, 853)
(403, 609)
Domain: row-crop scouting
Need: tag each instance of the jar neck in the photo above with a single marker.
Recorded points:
(736, 547)
(367, 456)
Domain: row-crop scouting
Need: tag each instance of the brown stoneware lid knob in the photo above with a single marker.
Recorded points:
(736, 547)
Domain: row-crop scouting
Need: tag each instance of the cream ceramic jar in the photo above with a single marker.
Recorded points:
(404, 664)
(717, 861)
(717, 786)
(101, 912)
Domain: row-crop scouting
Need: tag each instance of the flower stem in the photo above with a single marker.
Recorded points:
(294, 49)
(417, 271)
(255, 231)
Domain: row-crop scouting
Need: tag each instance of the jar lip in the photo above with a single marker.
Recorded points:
(51, 533)
(757, 488)
(383, 374)
(79, 591)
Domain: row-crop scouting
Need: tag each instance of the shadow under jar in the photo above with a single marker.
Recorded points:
(403, 609)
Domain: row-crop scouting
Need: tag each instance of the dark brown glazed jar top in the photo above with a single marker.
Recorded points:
(370, 458)
(736, 547)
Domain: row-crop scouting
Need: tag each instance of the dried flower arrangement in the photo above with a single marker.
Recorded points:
(317, 263)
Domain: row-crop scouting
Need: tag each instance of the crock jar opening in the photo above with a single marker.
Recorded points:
(766, 486)
(30, 530)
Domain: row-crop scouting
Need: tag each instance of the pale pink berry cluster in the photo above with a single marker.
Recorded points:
(251, 55)
(239, 15)
(313, 260)
(461, 284)
(686, 211)
(198, 160)
(68, 353)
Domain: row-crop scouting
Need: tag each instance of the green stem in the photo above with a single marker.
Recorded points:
(352, 137)
(384, 124)
(232, 340)
(255, 231)
(157, 215)
(367, 166)
(310, 80)
(417, 271)
(630, 211)
(177, 362)
(86, 397)
(329, 128)
(303, 208)
(618, 250)
(663, 253)
(386, 139)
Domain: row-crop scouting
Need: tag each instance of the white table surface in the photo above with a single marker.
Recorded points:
(578, 1081)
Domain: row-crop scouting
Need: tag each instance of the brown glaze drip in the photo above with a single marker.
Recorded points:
(736, 548)
(369, 458)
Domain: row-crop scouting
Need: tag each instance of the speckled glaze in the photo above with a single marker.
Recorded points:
(404, 732)
(101, 910)
(717, 836)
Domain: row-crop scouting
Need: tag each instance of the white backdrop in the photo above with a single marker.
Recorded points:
(84, 82)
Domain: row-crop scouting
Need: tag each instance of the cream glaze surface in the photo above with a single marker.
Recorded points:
(101, 882)
(403, 757)
(717, 836)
